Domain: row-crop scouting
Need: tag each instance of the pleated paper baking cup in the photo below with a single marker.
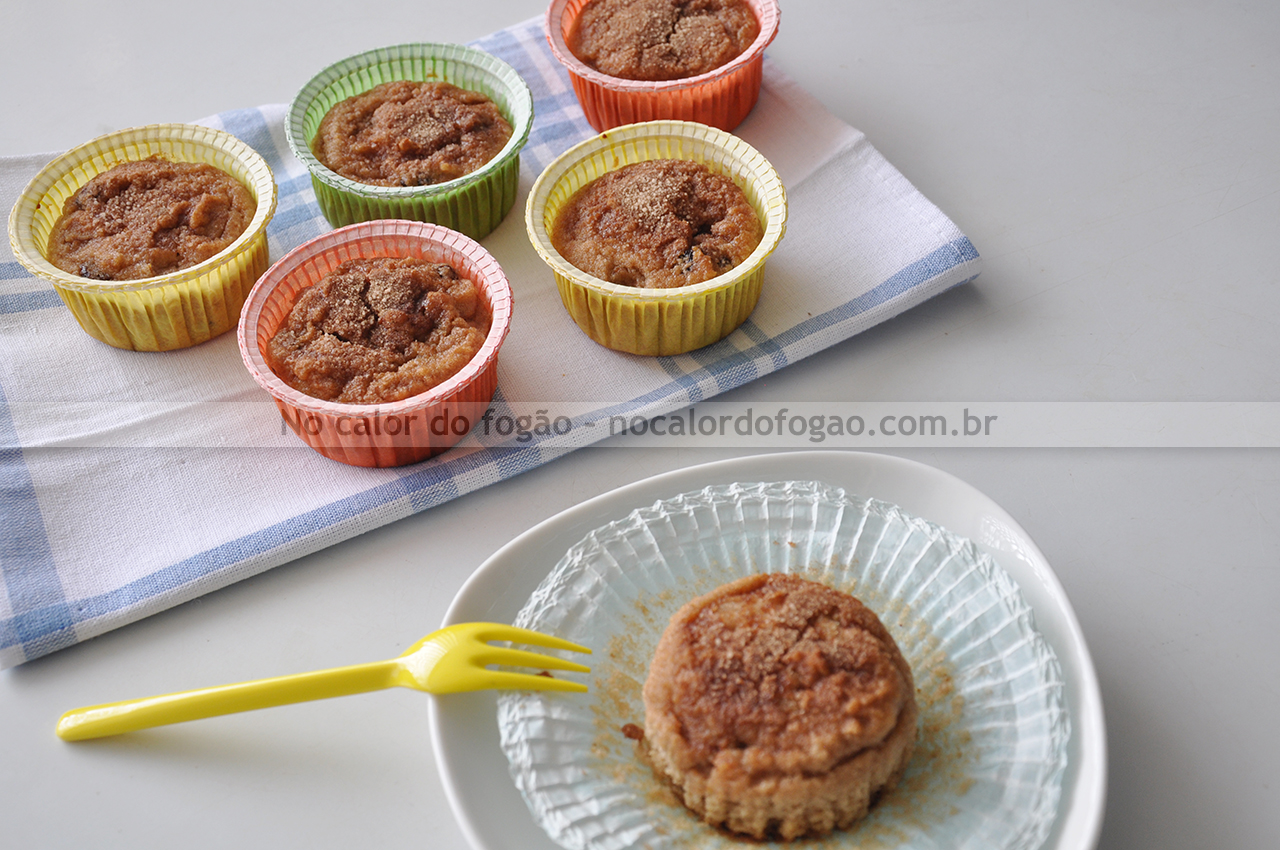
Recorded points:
(722, 97)
(987, 769)
(162, 313)
(393, 433)
(658, 321)
(473, 204)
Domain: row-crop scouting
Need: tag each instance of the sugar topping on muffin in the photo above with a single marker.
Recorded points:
(661, 39)
(657, 224)
(147, 218)
(778, 707)
(379, 330)
(406, 133)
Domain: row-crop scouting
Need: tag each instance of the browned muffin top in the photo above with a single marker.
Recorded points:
(787, 674)
(379, 330)
(404, 133)
(661, 39)
(148, 218)
(657, 224)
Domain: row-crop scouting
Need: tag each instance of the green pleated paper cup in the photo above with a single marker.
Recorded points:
(162, 313)
(658, 321)
(473, 204)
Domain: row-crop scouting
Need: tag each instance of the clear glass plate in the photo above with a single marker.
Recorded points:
(987, 771)
(464, 731)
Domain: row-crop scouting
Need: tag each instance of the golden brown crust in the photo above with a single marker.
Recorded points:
(657, 224)
(149, 218)
(379, 330)
(661, 39)
(404, 133)
(777, 706)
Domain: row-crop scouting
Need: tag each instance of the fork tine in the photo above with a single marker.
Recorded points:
(500, 631)
(527, 682)
(524, 658)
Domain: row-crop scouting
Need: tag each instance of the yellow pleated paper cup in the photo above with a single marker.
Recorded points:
(398, 432)
(473, 204)
(658, 321)
(162, 313)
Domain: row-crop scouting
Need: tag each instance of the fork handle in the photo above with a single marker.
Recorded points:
(98, 721)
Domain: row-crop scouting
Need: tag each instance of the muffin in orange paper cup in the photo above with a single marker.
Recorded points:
(721, 97)
(170, 311)
(473, 204)
(390, 433)
(658, 321)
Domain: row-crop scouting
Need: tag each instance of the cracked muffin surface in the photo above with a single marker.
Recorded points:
(778, 707)
(148, 218)
(379, 330)
(404, 133)
(661, 39)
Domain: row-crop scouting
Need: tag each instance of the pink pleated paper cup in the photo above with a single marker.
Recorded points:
(721, 98)
(393, 433)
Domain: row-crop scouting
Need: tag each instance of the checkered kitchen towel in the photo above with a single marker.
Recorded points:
(131, 482)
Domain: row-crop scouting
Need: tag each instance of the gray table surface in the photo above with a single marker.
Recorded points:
(1116, 165)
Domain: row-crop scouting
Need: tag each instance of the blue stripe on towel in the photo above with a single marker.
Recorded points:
(250, 127)
(26, 302)
(258, 544)
(42, 621)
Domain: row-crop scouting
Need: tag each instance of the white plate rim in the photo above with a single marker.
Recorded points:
(463, 728)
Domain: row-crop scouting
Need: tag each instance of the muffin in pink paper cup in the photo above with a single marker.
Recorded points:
(379, 341)
(704, 69)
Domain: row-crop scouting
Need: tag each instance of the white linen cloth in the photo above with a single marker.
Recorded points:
(133, 481)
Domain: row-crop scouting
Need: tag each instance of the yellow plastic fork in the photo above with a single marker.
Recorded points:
(450, 660)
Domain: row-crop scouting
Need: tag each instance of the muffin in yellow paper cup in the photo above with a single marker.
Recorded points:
(658, 321)
(391, 433)
(473, 204)
(167, 312)
(721, 97)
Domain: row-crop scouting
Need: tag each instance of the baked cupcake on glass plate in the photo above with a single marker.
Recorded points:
(782, 659)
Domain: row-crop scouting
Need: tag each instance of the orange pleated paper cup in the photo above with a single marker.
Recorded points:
(393, 433)
(658, 321)
(721, 98)
(171, 311)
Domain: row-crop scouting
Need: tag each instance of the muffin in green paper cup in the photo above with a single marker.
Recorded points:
(474, 203)
(169, 311)
(670, 321)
